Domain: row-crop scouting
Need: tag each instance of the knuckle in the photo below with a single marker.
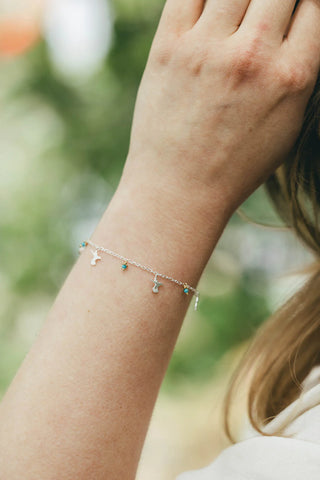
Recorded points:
(161, 52)
(192, 56)
(295, 77)
(249, 58)
(185, 53)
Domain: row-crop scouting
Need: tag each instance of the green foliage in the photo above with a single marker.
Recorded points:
(226, 320)
(72, 137)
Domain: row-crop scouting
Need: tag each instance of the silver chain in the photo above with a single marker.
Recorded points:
(147, 269)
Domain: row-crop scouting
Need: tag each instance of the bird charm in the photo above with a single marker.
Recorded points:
(156, 285)
(95, 257)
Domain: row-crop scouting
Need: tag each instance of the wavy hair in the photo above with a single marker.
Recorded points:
(287, 346)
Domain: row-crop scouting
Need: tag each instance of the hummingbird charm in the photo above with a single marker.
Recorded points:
(156, 284)
(95, 257)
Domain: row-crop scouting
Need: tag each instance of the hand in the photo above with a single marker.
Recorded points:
(223, 95)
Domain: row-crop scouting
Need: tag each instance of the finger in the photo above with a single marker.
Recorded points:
(224, 17)
(179, 16)
(304, 33)
(272, 16)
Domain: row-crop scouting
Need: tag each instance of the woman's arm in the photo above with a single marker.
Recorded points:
(80, 405)
(218, 109)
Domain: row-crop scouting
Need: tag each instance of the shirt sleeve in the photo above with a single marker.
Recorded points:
(263, 458)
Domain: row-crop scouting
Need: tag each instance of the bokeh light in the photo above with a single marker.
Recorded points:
(78, 34)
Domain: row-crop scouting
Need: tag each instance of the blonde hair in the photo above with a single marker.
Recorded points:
(287, 346)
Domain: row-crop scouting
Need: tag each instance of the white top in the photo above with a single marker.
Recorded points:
(257, 457)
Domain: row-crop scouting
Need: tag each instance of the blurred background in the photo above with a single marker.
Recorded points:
(69, 73)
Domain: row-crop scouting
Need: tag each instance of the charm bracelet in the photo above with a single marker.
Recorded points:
(126, 261)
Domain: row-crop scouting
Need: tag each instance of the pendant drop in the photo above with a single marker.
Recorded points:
(156, 284)
(186, 289)
(124, 266)
(197, 301)
(95, 257)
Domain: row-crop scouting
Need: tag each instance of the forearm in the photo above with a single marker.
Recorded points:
(80, 405)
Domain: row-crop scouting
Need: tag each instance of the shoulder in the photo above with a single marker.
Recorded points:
(301, 419)
(271, 457)
(263, 458)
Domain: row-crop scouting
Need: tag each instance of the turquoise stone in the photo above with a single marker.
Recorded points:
(186, 290)
(83, 244)
(124, 267)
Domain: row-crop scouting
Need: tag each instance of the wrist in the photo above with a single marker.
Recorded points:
(152, 224)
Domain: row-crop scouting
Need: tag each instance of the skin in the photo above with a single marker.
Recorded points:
(220, 106)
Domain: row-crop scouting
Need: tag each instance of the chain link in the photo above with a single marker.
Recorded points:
(147, 269)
